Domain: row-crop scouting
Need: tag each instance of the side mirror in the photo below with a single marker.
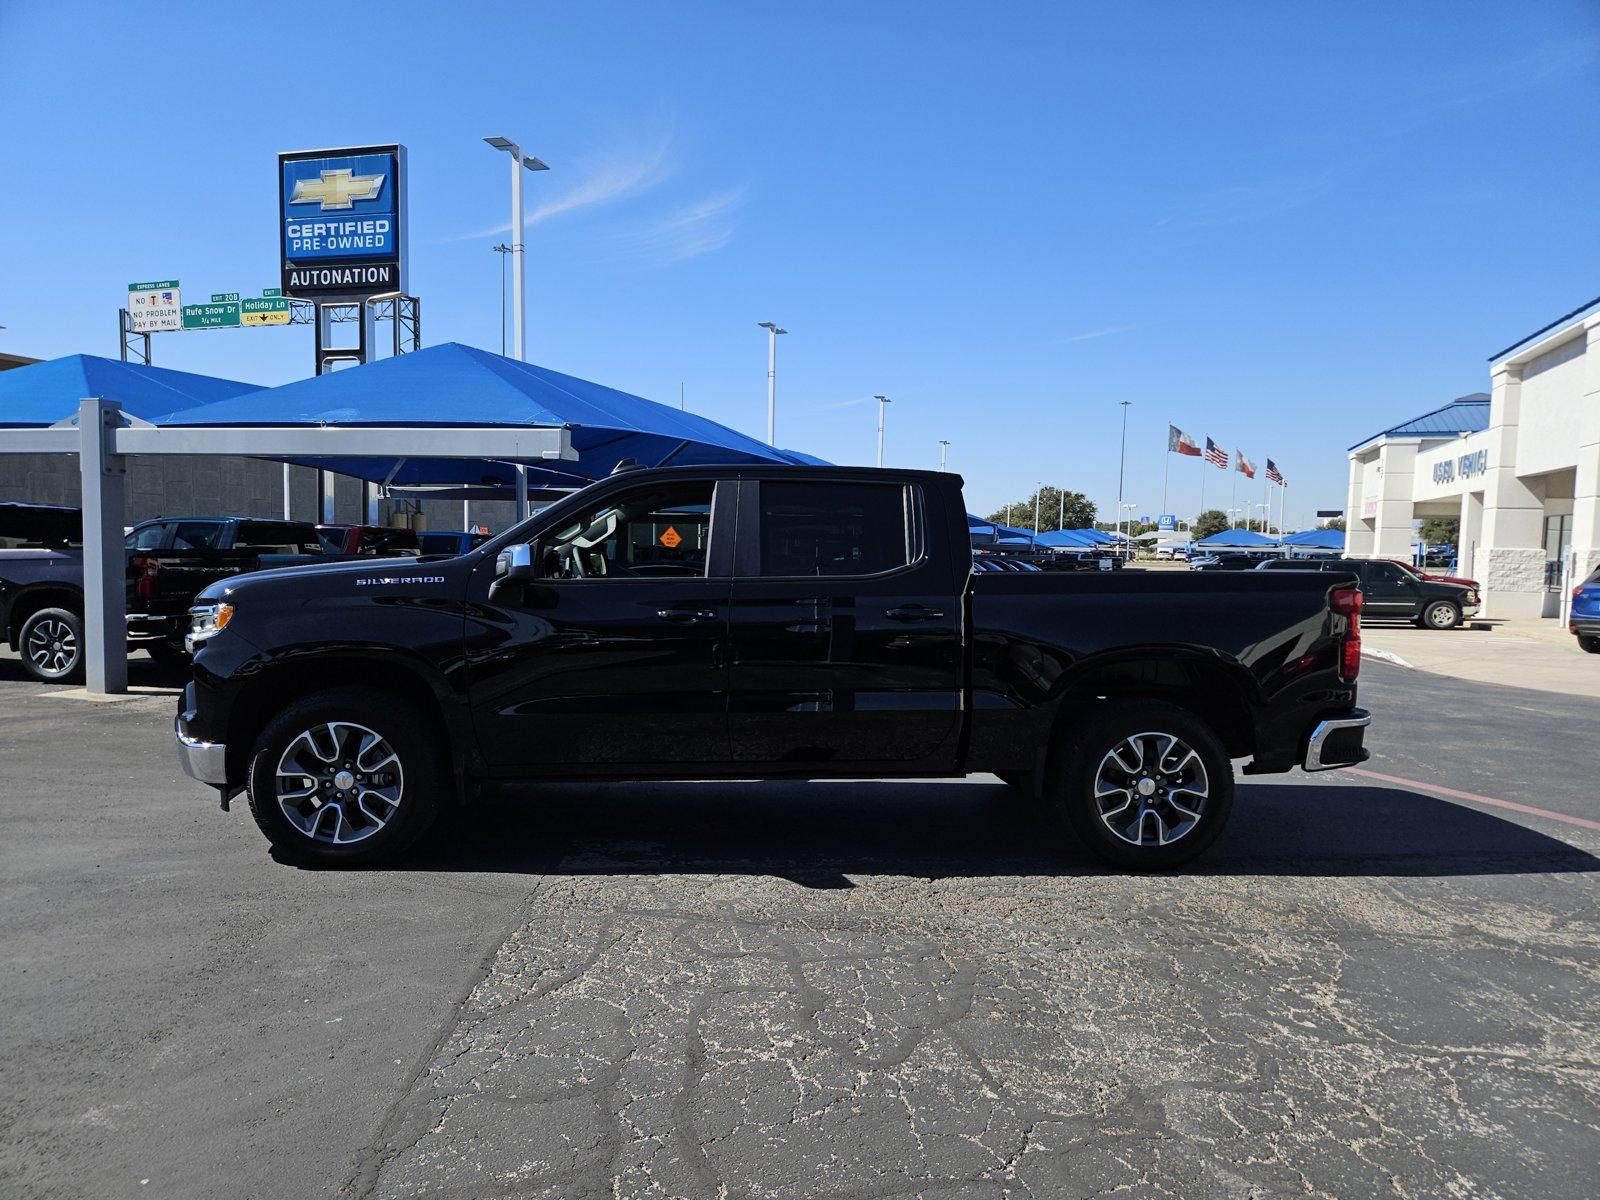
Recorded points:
(515, 563)
(513, 567)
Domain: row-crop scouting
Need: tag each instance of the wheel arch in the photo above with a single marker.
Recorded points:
(29, 600)
(270, 689)
(1220, 694)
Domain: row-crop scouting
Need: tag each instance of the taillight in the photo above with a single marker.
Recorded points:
(1347, 602)
(144, 585)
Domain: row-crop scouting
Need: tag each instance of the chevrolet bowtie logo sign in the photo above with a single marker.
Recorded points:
(336, 189)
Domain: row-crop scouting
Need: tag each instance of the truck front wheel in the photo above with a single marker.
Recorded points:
(346, 777)
(1143, 783)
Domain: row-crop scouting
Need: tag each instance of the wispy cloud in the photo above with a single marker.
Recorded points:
(696, 229)
(1279, 194)
(1259, 200)
(613, 174)
(1091, 334)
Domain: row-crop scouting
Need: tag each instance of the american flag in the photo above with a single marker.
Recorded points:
(1275, 475)
(1216, 455)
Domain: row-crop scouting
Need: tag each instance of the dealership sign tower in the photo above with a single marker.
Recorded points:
(342, 240)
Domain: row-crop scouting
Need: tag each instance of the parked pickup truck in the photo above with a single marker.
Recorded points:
(170, 559)
(693, 623)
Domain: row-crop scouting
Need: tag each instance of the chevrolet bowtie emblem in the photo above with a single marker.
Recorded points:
(336, 189)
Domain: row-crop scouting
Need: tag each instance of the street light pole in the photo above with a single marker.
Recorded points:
(1122, 460)
(519, 321)
(883, 404)
(944, 453)
(772, 379)
(502, 250)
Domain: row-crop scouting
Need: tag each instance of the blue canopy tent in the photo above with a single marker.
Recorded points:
(1316, 539)
(1245, 538)
(46, 393)
(453, 384)
(1073, 539)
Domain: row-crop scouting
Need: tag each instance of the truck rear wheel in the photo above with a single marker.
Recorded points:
(346, 777)
(1144, 784)
(51, 643)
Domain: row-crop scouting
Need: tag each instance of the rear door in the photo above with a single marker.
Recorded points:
(845, 628)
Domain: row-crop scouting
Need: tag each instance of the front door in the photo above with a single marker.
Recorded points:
(614, 653)
(846, 629)
(1388, 591)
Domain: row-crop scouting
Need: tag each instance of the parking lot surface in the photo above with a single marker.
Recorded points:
(1368, 987)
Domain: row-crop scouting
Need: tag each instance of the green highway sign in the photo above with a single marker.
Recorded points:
(271, 292)
(267, 310)
(224, 297)
(211, 316)
(157, 285)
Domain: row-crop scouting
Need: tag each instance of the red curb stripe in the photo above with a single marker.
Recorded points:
(1474, 798)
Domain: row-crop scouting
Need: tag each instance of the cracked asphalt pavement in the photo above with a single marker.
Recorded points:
(809, 990)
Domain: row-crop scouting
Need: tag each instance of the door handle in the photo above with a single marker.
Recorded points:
(914, 612)
(686, 616)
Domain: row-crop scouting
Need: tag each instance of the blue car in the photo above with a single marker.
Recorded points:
(1585, 617)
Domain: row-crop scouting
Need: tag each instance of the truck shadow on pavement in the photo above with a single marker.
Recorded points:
(818, 833)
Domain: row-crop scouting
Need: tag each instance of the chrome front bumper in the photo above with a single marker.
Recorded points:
(204, 761)
(1345, 750)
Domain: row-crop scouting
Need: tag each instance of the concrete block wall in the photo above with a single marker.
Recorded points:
(184, 485)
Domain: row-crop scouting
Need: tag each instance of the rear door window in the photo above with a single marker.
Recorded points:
(833, 528)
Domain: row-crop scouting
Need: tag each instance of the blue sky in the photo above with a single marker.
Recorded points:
(1283, 226)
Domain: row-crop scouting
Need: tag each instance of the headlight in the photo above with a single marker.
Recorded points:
(206, 621)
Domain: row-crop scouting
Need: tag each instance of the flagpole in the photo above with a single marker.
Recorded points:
(1203, 465)
(1233, 494)
(1166, 471)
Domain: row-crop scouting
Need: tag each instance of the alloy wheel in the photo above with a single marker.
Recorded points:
(52, 646)
(339, 783)
(1151, 789)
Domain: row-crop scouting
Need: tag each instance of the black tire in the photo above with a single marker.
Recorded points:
(51, 645)
(169, 657)
(1089, 749)
(1441, 614)
(1591, 644)
(420, 770)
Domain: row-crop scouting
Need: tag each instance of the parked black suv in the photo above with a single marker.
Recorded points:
(1393, 593)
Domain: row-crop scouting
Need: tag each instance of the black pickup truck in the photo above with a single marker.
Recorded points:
(752, 623)
(170, 559)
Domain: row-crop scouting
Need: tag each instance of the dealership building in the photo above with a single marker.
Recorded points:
(1519, 466)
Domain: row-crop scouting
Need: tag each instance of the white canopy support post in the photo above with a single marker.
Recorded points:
(325, 497)
(370, 490)
(288, 504)
(522, 492)
(105, 565)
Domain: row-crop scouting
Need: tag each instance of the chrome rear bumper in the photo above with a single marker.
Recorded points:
(1337, 742)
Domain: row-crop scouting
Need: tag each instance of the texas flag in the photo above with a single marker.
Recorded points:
(1179, 442)
(1246, 467)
